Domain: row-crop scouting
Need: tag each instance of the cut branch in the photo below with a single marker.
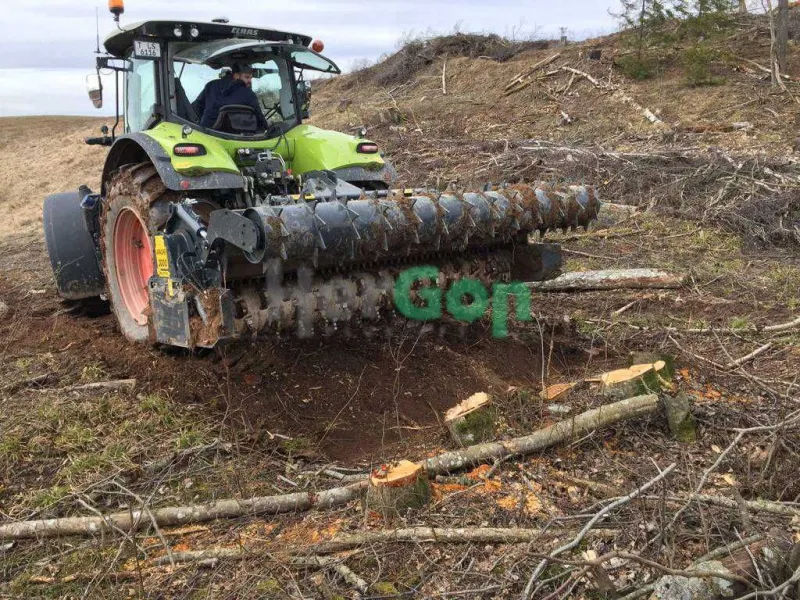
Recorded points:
(117, 384)
(768, 329)
(597, 517)
(619, 95)
(522, 80)
(414, 535)
(612, 279)
(441, 535)
(766, 506)
(740, 361)
(211, 556)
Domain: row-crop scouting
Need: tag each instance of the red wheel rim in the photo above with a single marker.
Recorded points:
(133, 258)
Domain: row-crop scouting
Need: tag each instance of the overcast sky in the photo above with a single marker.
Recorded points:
(46, 46)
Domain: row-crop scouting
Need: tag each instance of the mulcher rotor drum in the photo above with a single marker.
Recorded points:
(334, 233)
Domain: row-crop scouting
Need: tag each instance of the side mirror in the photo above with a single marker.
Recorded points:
(95, 88)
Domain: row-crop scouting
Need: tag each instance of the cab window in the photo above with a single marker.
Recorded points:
(140, 94)
(272, 86)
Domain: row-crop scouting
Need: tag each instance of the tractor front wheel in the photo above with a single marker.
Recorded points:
(135, 208)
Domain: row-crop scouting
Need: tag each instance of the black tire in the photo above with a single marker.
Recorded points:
(135, 193)
(71, 248)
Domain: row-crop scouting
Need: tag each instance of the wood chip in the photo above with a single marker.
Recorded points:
(556, 390)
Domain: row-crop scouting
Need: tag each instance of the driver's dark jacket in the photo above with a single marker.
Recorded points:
(224, 92)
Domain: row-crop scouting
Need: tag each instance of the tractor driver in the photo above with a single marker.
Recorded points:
(233, 89)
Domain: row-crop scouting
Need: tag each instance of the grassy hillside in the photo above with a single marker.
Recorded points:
(475, 106)
(456, 116)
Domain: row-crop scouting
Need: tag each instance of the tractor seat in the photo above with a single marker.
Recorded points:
(237, 118)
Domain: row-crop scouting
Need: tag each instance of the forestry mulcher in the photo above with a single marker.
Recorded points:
(258, 221)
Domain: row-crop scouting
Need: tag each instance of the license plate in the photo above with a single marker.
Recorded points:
(143, 49)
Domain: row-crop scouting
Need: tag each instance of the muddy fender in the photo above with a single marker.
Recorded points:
(71, 248)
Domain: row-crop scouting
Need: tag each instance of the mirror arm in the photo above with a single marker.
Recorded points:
(116, 104)
(100, 81)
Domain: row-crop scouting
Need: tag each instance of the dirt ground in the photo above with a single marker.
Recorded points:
(270, 416)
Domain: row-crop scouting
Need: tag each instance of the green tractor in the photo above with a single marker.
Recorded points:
(209, 232)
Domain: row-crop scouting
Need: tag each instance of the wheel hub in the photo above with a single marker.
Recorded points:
(133, 257)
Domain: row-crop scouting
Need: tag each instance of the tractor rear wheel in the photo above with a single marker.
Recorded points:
(135, 208)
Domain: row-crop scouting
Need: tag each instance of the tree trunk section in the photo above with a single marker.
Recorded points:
(473, 421)
(782, 40)
(397, 488)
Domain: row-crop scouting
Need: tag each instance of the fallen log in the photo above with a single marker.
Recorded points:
(447, 462)
(567, 429)
(611, 279)
(181, 515)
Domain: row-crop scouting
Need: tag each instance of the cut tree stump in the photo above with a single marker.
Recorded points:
(611, 279)
(472, 421)
(680, 418)
(396, 488)
(638, 379)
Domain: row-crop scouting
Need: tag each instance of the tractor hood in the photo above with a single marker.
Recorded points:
(304, 148)
(314, 149)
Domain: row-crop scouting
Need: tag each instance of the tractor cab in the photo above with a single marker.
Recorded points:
(168, 68)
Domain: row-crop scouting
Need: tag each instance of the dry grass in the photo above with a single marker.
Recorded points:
(41, 156)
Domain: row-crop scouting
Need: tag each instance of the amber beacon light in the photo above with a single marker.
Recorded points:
(117, 7)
